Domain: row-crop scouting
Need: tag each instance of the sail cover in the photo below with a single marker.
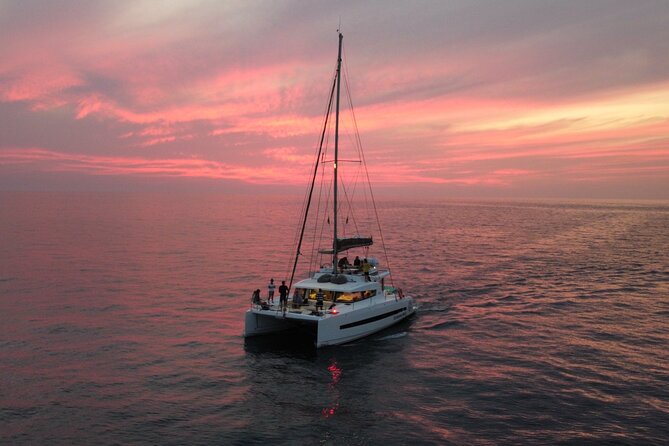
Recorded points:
(353, 242)
(344, 244)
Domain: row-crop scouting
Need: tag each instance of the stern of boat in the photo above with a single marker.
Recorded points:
(257, 323)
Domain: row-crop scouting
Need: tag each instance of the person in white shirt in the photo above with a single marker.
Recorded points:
(270, 291)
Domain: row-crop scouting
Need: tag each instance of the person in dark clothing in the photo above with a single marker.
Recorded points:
(319, 299)
(357, 262)
(283, 294)
(255, 298)
(342, 264)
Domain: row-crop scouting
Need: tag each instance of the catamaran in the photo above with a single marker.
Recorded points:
(341, 301)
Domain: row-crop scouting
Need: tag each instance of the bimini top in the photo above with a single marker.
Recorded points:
(344, 244)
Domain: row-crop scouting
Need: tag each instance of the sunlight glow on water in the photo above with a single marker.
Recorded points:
(539, 323)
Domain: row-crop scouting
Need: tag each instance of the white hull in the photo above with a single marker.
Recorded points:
(349, 324)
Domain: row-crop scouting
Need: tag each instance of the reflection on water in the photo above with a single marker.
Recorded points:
(335, 371)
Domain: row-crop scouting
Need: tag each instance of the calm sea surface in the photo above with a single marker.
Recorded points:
(539, 323)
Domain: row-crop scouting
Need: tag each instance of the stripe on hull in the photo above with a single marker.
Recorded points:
(372, 319)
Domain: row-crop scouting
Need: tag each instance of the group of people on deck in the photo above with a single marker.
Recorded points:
(358, 265)
(271, 287)
(299, 298)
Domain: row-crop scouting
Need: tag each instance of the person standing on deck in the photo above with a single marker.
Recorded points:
(283, 294)
(365, 269)
(270, 291)
(320, 296)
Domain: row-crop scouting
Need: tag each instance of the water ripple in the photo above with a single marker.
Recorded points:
(538, 323)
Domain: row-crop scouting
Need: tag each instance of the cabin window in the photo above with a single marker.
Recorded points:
(342, 297)
(369, 293)
(327, 295)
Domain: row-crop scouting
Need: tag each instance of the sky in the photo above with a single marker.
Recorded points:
(459, 98)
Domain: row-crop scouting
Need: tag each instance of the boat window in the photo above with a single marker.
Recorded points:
(368, 294)
(327, 295)
(348, 297)
(355, 297)
(343, 297)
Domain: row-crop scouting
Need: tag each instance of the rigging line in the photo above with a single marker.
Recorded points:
(317, 151)
(371, 192)
(357, 143)
(348, 196)
(349, 201)
(296, 236)
(358, 147)
(314, 243)
(378, 222)
(354, 142)
(350, 209)
(324, 222)
(309, 255)
(354, 176)
(326, 211)
(299, 234)
(307, 197)
(318, 236)
(311, 188)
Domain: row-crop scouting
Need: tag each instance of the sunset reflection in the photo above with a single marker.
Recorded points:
(335, 375)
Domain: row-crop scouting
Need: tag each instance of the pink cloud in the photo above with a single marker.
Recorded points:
(491, 107)
(48, 160)
(288, 155)
(40, 87)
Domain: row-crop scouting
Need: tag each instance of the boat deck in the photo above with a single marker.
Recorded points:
(310, 309)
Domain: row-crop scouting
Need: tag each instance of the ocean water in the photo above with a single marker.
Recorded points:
(538, 323)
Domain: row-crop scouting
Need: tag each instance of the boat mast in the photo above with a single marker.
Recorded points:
(336, 156)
